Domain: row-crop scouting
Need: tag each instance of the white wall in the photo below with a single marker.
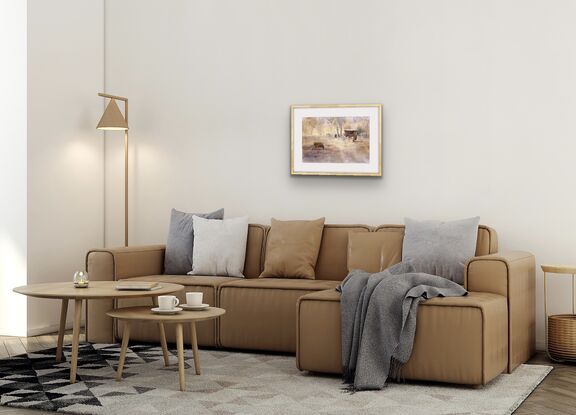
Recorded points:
(12, 166)
(479, 102)
(65, 151)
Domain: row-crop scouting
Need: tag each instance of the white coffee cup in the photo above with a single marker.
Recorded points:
(167, 302)
(194, 298)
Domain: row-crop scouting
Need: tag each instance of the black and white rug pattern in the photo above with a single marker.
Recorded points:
(37, 381)
(232, 383)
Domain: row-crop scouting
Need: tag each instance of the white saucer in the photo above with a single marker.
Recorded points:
(195, 307)
(173, 311)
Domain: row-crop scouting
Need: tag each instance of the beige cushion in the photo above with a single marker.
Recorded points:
(261, 313)
(374, 251)
(332, 261)
(292, 248)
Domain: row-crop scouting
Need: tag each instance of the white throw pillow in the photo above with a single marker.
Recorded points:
(219, 246)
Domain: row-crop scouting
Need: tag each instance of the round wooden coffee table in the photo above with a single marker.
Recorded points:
(184, 317)
(66, 291)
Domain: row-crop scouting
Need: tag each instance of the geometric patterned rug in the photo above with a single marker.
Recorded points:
(233, 383)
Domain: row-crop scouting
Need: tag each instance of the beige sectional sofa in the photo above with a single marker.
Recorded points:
(467, 340)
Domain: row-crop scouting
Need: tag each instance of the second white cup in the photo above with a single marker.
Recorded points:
(167, 302)
(194, 298)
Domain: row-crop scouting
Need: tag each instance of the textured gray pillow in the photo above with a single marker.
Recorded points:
(440, 248)
(180, 243)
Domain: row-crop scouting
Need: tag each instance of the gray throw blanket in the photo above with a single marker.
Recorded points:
(379, 320)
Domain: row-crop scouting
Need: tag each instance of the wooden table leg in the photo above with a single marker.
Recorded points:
(180, 346)
(75, 339)
(62, 329)
(194, 342)
(123, 350)
(162, 337)
(164, 344)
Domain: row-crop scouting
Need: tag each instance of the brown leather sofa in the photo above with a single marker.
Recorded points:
(466, 340)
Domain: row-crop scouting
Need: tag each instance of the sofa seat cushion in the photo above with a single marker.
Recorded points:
(282, 284)
(206, 330)
(188, 280)
(261, 313)
(324, 295)
(458, 339)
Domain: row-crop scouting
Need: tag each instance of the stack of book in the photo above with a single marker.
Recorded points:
(137, 285)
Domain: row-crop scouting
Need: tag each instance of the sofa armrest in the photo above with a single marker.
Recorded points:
(512, 275)
(112, 265)
(117, 263)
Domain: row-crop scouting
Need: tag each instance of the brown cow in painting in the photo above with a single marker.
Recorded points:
(353, 134)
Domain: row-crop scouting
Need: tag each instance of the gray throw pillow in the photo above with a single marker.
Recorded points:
(440, 248)
(180, 243)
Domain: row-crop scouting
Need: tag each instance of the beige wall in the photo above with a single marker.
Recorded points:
(479, 102)
(65, 151)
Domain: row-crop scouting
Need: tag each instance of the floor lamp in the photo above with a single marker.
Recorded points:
(113, 120)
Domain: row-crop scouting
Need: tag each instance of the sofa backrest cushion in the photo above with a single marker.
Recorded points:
(374, 251)
(332, 261)
(487, 242)
(254, 262)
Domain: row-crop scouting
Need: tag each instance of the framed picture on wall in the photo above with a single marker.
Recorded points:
(336, 140)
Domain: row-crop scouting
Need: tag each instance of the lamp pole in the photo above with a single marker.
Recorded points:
(126, 176)
(123, 126)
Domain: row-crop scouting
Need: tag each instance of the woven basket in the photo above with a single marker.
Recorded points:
(562, 336)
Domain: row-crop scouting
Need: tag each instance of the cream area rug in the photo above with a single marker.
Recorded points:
(233, 383)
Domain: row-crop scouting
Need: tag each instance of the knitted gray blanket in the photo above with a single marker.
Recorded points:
(379, 320)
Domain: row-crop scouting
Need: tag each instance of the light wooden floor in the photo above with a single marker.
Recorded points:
(556, 395)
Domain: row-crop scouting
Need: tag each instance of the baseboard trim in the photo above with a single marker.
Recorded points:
(39, 331)
(10, 332)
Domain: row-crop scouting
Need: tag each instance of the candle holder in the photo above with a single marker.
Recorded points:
(81, 279)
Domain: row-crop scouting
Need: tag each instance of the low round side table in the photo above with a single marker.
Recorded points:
(560, 328)
(66, 291)
(130, 314)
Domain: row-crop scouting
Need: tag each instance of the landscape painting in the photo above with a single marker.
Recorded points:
(337, 140)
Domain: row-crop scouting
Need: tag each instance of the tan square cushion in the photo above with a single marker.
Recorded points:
(374, 251)
(292, 248)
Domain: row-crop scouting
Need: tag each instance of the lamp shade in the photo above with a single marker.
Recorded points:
(112, 119)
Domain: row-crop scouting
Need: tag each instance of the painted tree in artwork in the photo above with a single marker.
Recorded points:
(332, 126)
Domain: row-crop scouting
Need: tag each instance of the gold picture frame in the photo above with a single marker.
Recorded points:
(336, 140)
